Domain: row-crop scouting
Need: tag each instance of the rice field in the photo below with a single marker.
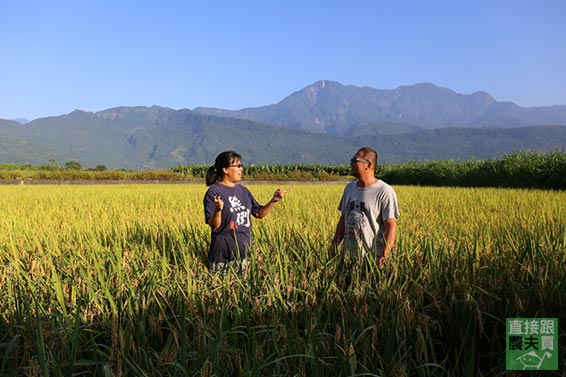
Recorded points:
(110, 280)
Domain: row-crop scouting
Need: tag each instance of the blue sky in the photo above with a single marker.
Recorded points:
(58, 56)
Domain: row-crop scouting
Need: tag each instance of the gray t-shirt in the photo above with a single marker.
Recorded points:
(365, 209)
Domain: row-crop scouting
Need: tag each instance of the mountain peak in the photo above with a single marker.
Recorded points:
(78, 112)
(425, 87)
(482, 97)
(322, 85)
(123, 111)
(312, 92)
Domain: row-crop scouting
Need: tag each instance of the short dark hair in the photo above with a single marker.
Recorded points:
(369, 154)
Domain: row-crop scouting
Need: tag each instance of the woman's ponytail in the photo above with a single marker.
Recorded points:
(212, 176)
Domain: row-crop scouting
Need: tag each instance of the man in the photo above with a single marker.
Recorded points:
(369, 208)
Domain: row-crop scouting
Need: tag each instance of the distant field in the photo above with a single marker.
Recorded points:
(110, 279)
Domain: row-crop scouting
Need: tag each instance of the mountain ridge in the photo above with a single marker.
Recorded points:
(330, 107)
(324, 123)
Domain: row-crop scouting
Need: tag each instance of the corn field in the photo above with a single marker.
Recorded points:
(110, 280)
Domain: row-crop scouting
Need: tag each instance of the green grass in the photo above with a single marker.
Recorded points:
(110, 280)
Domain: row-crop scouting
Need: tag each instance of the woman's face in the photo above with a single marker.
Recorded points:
(234, 172)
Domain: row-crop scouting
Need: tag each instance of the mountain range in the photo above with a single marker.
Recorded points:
(323, 123)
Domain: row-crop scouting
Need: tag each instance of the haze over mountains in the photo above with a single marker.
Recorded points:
(322, 123)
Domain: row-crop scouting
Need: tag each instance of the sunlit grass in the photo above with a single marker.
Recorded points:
(111, 279)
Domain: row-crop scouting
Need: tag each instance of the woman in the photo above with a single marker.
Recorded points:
(227, 210)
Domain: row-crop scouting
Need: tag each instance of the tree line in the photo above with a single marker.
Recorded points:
(516, 170)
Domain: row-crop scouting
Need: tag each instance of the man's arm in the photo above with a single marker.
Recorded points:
(338, 235)
(389, 233)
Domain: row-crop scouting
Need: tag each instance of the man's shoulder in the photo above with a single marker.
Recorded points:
(383, 185)
(351, 184)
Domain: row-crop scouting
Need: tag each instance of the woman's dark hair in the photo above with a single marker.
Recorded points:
(223, 160)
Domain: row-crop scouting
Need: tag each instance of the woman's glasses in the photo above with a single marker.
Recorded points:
(239, 166)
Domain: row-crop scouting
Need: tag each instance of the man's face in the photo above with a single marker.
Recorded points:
(357, 163)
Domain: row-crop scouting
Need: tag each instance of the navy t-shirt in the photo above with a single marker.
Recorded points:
(234, 233)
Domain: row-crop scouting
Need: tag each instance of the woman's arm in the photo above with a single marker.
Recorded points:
(277, 196)
(216, 219)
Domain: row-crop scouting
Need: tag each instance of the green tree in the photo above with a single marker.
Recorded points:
(73, 165)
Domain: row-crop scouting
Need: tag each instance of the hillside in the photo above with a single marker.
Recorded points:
(141, 137)
(323, 123)
(466, 143)
(332, 108)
